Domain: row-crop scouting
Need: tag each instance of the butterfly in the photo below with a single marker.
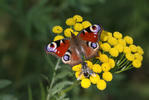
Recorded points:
(74, 50)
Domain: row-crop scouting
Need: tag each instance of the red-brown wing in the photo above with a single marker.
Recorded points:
(58, 48)
(72, 57)
(90, 49)
(91, 33)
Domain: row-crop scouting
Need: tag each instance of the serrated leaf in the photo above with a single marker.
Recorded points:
(59, 86)
(61, 75)
(4, 83)
(62, 96)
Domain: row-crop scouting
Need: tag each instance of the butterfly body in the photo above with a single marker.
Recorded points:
(73, 50)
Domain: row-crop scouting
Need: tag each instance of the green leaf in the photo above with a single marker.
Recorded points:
(4, 83)
(61, 75)
(59, 86)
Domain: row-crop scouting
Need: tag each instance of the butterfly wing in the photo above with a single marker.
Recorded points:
(91, 33)
(58, 48)
(65, 50)
(72, 56)
(89, 38)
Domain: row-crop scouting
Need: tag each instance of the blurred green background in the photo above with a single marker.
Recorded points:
(25, 29)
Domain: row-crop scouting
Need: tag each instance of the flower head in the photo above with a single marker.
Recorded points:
(128, 39)
(86, 24)
(116, 54)
(77, 18)
(58, 37)
(117, 35)
(85, 83)
(101, 84)
(107, 76)
(70, 21)
(78, 26)
(57, 29)
(68, 32)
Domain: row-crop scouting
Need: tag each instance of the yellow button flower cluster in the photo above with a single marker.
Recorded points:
(75, 25)
(115, 44)
(117, 53)
(99, 70)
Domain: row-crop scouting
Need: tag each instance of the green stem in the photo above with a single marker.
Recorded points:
(120, 59)
(127, 68)
(53, 79)
(123, 64)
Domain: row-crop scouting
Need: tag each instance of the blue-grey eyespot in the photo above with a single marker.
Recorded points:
(95, 28)
(93, 45)
(51, 47)
(66, 57)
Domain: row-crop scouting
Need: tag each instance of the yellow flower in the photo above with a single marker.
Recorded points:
(77, 18)
(105, 35)
(105, 46)
(57, 29)
(114, 52)
(122, 42)
(119, 47)
(138, 56)
(78, 26)
(140, 50)
(101, 84)
(111, 62)
(129, 56)
(136, 63)
(112, 41)
(75, 33)
(68, 32)
(94, 78)
(133, 48)
(79, 75)
(58, 37)
(127, 50)
(77, 67)
(107, 76)
(85, 83)
(105, 67)
(86, 24)
(103, 58)
(89, 64)
(117, 35)
(96, 68)
(128, 39)
(70, 21)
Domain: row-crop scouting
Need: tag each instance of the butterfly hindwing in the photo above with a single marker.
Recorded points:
(72, 57)
(90, 49)
(58, 48)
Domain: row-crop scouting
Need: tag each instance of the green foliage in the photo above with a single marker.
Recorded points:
(26, 72)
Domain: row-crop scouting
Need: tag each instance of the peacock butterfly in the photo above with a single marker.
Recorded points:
(74, 50)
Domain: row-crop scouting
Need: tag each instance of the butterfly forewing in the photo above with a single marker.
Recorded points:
(58, 48)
